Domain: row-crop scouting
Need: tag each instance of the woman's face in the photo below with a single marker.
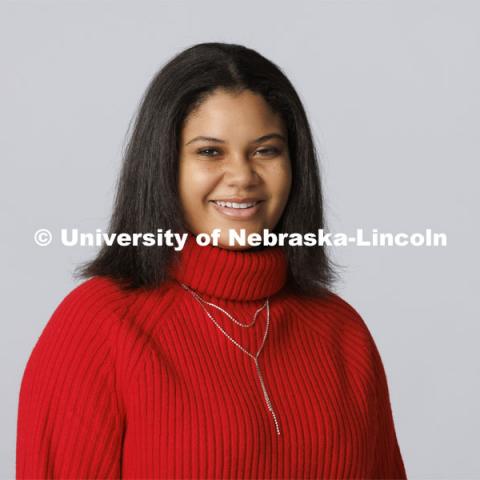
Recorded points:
(233, 165)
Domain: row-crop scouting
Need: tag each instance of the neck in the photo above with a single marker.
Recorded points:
(231, 274)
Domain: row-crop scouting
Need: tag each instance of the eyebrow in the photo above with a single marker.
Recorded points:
(261, 139)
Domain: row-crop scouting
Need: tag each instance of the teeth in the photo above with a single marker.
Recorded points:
(235, 205)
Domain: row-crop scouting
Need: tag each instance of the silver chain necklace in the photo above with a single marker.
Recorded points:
(201, 301)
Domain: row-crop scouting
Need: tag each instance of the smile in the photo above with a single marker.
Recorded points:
(234, 204)
(243, 210)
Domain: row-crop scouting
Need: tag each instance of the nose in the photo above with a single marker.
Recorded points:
(240, 171)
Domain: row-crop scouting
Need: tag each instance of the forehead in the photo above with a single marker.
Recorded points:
(234, 115)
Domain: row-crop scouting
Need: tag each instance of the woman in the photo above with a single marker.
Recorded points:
(224, 361)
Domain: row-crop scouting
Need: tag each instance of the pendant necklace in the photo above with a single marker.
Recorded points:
(266, 305)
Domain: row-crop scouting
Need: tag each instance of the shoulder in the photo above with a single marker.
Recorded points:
(97, 323)
(330, 315)
(339, 328)
(92, 303)
(100, 313)
(82, 314)
(101, 300)
(93, 312)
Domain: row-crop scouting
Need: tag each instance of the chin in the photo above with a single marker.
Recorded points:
(224, 239)
(236, 247)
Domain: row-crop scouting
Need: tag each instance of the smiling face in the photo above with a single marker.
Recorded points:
(234, 179)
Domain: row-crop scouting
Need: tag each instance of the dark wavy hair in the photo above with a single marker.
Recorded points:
(147, 196)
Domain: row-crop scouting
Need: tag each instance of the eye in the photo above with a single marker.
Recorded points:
(213, 152)
(206, 152)
(269, 151)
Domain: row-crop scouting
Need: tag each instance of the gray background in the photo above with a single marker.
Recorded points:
(392, 93)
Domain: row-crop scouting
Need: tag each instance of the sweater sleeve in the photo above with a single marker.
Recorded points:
(70, 422)
(388, 463)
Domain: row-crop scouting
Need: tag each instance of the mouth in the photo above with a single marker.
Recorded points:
(242, 209)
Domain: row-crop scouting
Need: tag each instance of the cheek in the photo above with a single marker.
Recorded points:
(195, 184)
(279, 185)
(280, 181)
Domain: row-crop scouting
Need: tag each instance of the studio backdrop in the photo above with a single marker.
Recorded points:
(391, 92)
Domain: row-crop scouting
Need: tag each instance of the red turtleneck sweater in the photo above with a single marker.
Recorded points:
(145, 385)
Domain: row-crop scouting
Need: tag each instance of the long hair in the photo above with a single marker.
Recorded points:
(147, 196)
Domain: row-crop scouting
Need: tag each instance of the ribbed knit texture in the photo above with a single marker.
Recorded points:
(144, 385)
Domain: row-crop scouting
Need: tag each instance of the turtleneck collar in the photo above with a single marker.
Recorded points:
(230, 274)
